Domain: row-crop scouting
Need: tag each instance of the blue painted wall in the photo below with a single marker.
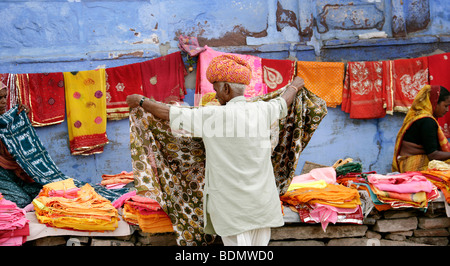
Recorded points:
(56, 36)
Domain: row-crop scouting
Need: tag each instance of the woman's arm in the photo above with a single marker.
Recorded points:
(292, 90)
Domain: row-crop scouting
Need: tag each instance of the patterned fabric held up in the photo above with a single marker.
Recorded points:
(364, 93)
(204, 92)
(277, 73)
(44, 94)
(121, 81)
(325, 79)
(171, 169)
(407, 77)
(163, 78)
(86, 111)
(27, 149)
(439, 67)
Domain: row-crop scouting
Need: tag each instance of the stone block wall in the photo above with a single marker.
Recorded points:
(403, 227)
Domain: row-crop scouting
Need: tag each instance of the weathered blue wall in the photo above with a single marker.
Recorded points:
(56, 36)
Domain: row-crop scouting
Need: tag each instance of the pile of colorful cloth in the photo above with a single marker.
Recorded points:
(62, 204)
(317, 198)
(118, 180)
(14, 227)
(441, 179)
(406, 190)
(148, 214)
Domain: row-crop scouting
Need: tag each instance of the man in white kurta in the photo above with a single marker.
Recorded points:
(241, 200)
(240, 193)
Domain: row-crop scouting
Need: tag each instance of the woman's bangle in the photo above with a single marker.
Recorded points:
(142, 101)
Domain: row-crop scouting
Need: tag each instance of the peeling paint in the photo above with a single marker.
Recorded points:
(285, 18)
(132, 54)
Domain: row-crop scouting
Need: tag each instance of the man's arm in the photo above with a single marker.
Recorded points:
(157, 109)
(292, 89)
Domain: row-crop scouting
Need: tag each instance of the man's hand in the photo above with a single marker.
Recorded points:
(133, 100)
(23, 107)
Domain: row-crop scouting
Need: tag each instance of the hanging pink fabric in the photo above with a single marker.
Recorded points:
(204, 92)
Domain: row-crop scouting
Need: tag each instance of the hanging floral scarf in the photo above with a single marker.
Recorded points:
(171, 169)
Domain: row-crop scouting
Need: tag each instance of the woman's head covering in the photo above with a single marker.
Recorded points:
(229, 68)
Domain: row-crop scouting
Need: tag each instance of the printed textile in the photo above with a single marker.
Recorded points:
(24, 145)
(163, 78)
(439, 67)
(171, 169)
(10, 80)
(121, 81)
(86, 111)
(364, 93)
(189, 45)
(325, 79)
(44, 94)
(277, 73)
(407, 78)
(204, 92)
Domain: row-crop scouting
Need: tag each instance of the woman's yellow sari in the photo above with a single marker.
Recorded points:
(422, 106)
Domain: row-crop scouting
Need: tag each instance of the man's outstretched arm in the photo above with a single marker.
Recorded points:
(157, 109)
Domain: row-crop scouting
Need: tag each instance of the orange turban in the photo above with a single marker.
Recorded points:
(229, 68)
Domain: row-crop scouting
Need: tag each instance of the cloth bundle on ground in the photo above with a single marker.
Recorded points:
(26, 148)
(62, 204)
(321, 208)
(410, 189)
(441, 179)
(148, 214)
(118, 180)
(44, 94)
(171, 169)
(14, 227)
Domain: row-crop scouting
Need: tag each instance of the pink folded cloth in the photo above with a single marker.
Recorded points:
(410, 182)
(328, 174)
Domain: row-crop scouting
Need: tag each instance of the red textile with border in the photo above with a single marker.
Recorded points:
(407, 78)
(163, 78)
(277, 73)
(44, 94)
(121, 81)
(439, 68)
(364, 93)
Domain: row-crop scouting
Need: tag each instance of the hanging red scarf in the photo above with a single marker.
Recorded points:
(163, 78)
(439, 67)
(44, 94)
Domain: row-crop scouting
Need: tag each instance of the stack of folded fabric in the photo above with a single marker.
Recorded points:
(317, 198)
(14, 227)
(118, 180)
(148, 214)
(441, 179)
(410, 189)
(61, 204)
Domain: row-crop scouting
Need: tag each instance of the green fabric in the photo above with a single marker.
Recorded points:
(171, 169)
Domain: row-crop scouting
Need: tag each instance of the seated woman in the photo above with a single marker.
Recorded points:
(420, 139)
(15, 185)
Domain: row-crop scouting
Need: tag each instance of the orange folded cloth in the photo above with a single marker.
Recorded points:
(87, 211)
(148, 214)
(333, 195)
(122, 178)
